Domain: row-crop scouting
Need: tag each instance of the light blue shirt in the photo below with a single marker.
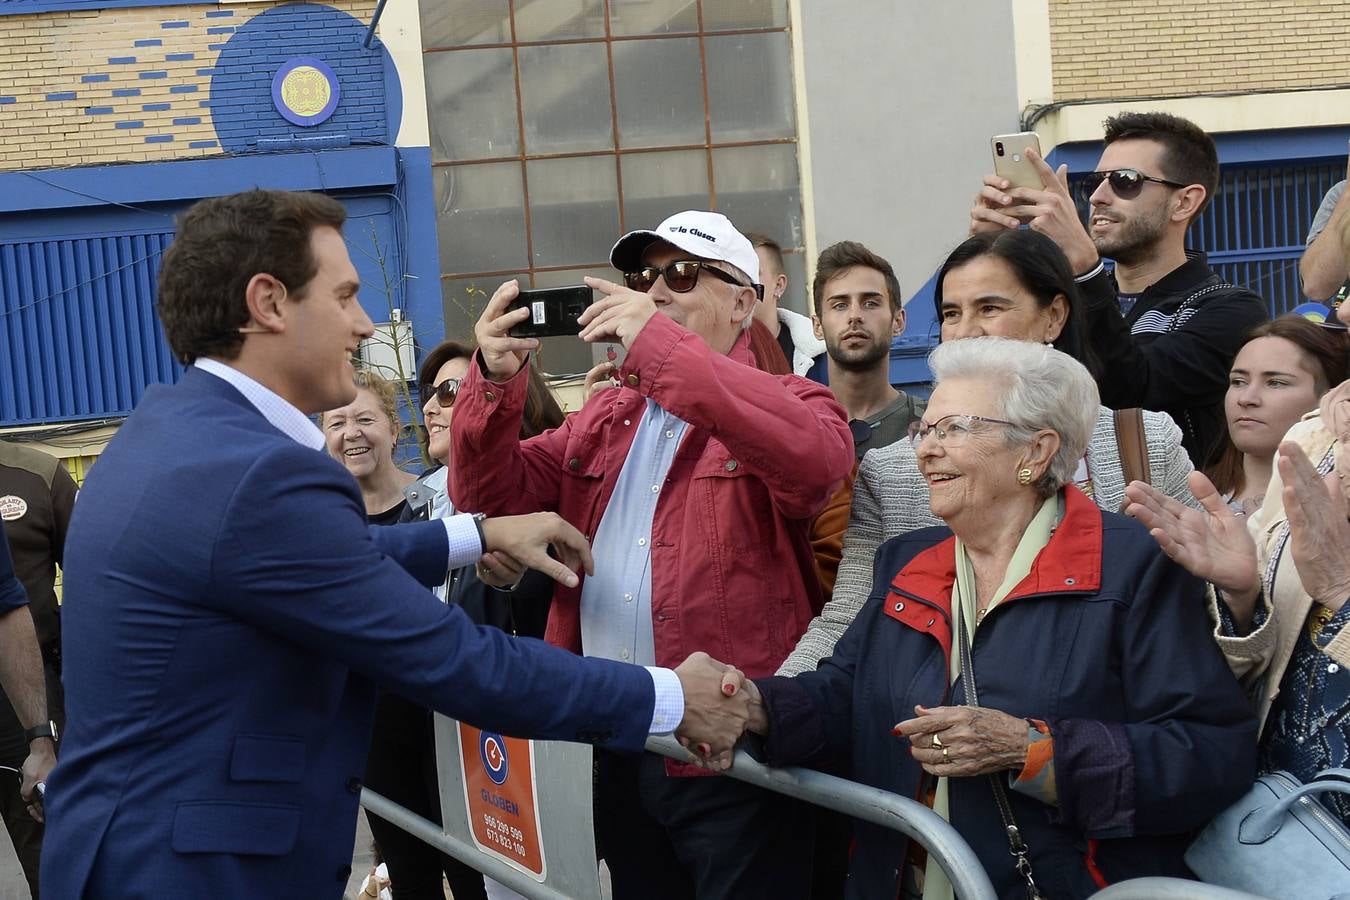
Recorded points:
(616, 602)
(460, 531)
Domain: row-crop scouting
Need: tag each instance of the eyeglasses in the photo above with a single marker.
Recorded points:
(445, 392)
(956, 429)
(1125, 183)
(681, 276)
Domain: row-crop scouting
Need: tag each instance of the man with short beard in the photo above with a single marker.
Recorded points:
(858, 312)
(1164, 324)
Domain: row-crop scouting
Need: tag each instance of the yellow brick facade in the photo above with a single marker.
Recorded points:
(1106, 49)
(46, 57)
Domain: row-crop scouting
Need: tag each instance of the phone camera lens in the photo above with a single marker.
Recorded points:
(998, 147)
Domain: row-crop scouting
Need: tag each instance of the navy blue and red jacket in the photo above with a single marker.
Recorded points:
(1106, 639)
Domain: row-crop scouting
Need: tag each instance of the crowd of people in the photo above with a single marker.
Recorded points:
(1075, 600)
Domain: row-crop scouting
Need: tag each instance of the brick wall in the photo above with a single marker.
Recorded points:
(1103, 49)
(135, 85)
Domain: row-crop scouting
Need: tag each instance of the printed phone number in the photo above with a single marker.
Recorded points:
(506, 836)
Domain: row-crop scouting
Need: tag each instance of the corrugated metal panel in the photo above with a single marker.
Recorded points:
(1253, 230)
(77, 326)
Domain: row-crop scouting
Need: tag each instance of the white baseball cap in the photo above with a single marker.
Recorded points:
(706, 235)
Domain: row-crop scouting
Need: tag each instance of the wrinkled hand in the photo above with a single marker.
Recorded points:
(502, 354)
(716, 710)
(600, 378)
(619, 315)
(500, 570)
(527, 539)
(1319, 535)
(977, 740)
(36, 768)
(1214, 544)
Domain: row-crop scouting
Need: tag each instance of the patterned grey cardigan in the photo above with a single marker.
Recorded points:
(891, 498)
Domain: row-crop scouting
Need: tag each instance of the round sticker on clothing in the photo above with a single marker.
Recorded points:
(12, 507)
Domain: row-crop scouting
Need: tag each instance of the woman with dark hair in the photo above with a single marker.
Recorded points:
(1013, 284)
(1042, 273)
(1281, 372)
(402, 764)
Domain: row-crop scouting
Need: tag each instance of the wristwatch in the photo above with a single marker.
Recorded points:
(44, 730)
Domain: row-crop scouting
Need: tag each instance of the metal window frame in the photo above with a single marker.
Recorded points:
(616, 152)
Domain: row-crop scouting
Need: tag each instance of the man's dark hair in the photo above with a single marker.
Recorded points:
(760, 240)
(845, 255)
(221, 244)
(1189, 155)
(1042, 269)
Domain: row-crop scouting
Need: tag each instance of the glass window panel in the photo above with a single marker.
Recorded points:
(757, 188)
(462, 300)
(463, 22)
(556, 20)
(471, 100)
(763, 60)
(574, 209)
(566, 114)
(652, 16)
(721, 15)
(659, 91)
(480, 217)
(656, 185)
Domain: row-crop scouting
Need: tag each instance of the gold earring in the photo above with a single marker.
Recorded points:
(1024, 476)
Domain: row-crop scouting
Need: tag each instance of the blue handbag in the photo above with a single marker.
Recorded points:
(1278, 841)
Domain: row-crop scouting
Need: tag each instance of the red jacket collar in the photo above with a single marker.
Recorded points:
(1071, 562)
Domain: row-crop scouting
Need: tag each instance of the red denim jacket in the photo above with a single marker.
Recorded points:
(733, 572)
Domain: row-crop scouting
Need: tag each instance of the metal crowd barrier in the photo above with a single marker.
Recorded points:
(913, 819)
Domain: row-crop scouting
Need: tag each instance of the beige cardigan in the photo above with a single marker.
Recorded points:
(1260, 659)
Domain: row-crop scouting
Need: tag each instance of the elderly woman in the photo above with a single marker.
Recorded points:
(1013, 284)
(363, 436)
(1283, 589)
(1106, 720)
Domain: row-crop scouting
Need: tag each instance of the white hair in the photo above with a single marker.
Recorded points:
(1039, 387)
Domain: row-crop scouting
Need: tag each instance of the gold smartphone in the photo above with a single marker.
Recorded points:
(1010, 158)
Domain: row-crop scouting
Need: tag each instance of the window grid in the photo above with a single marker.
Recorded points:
(617, 152)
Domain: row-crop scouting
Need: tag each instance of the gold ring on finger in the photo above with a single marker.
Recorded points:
(946, 754)
(937, 741)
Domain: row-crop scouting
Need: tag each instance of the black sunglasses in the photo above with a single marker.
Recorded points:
(1125, 183)
(445, 392)
(681, 276)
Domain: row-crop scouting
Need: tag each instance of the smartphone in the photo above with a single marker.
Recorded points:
(1010, 158)
(553, 311)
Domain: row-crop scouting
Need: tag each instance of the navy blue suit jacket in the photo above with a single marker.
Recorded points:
(227, 616)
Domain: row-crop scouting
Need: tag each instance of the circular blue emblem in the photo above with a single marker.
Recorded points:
(492, 749)
(305, 91)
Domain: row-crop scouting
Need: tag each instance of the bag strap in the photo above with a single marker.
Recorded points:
(1016, 846)
(1133, 446)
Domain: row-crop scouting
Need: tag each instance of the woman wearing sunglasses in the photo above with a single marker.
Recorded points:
(1013, 284)
(402, 763)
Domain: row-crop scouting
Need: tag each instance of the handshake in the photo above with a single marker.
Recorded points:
(720, 705)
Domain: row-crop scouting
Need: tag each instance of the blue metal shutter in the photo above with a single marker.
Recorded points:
(78, 329)
(1253, 229)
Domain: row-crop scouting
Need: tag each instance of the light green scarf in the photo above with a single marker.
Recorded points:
(1042, 526)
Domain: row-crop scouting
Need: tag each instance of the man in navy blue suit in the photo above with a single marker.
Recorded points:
(228, 614)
